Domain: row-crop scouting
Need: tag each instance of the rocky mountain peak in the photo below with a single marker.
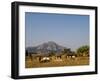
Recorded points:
(46, 48)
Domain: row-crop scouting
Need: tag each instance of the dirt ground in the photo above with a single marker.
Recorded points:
(78, 61)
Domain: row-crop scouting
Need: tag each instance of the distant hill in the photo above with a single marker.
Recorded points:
(46, 48)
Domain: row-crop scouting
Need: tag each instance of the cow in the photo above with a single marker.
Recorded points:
(44, 59)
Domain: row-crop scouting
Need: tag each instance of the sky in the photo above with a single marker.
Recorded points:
(71, 31)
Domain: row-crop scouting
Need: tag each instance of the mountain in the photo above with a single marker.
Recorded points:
(46, 48)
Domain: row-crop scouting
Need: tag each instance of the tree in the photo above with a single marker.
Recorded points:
(83, 51)
(52, 53)
(26, 52)
(66, 51)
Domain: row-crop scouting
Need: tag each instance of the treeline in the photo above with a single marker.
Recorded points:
(81, 51)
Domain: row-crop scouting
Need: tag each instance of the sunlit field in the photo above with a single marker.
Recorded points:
(56, 62)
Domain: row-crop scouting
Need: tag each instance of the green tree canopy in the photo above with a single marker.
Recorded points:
(66, 51)
(52, 53)
(83, 50)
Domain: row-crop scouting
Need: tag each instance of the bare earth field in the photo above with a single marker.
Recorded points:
(77, 61)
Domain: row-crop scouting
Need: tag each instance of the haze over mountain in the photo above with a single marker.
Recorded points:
(46, 48)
